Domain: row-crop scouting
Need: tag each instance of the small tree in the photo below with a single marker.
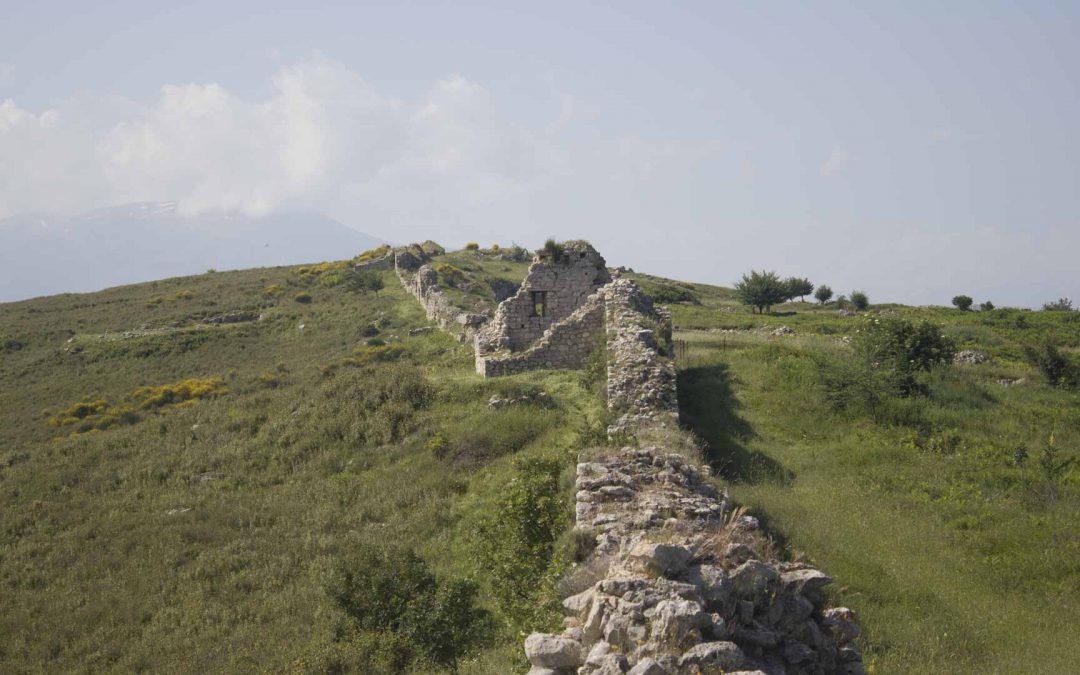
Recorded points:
(761, 290)
(823, 294)
(798, 287)
(472, 246)
(859, 300)
(962, 302)
(986, 306)
(1059, 305)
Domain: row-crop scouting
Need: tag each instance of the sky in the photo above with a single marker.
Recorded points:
(911, 150)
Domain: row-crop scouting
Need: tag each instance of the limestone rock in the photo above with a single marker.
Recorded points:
(753, 578)
(713, 657)
(658, 559)
(647, 666)
(553, 651)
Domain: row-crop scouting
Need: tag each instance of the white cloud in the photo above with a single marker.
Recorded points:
(324, 138)
(836, 162)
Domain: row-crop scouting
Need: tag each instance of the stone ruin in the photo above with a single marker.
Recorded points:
(679, 583)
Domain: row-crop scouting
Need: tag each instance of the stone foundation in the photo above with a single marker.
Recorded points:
(678, 585)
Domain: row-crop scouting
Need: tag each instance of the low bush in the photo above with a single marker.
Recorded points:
(517, 543)
(302, 297)
(10, 343)
(391, 590)
(376, 351)
(1058, 369)
(450, 275)
(98, 414)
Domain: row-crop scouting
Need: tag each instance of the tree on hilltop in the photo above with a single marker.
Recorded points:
(962, 302)
(798, 287)
(761, 290)
(859, 300)
(823, 294)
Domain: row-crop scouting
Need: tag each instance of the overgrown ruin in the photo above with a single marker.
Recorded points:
(679, 582)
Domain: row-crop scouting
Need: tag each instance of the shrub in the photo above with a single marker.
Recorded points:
(385, 589)
(901, 348)
(363, 281)
(183, 295)
(518, 543)
(761, 290)
(962, 302)
(373, 254)
(472, 246)
(374, 353)
(798, 287)
(10, 343)
(986, 306)
(495, 248)
(98, 414)
(860, 301)
(1056, 367)
(302, 297)
(1059, 305)
(823, 294)
(552, 250)
(666, 293)
(273, 290)
(451, 275)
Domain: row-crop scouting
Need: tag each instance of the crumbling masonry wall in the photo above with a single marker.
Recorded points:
(678, 583)
(422, 282)
(565, 284)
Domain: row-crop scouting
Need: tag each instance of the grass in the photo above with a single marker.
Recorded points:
(958, 557)
(199, 537)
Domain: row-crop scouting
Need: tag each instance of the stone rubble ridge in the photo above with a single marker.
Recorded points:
(422, 281)
(678, 586)
(678, 582)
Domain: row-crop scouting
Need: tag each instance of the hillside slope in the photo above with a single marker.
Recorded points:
(199, 526)
(42, 254)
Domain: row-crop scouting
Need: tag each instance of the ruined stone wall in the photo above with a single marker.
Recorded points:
(679, 584)
(565, 345)
(566, 282)
(641, 380)
(422, 282)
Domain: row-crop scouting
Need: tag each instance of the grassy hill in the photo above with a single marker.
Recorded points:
(187, 466)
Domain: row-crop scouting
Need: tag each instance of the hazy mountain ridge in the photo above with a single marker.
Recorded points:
(44, 254)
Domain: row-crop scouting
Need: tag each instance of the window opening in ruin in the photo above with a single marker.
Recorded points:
(539, 303)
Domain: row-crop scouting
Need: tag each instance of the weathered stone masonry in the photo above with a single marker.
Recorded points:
(423, 282)
(682, 584)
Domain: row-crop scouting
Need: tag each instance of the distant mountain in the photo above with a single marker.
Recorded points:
(46, 254)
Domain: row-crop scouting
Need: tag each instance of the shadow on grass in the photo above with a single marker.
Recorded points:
(708, 407)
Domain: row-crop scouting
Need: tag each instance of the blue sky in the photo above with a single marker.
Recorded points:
(913, 150)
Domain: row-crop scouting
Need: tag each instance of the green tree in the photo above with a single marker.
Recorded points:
(859, 300)
(518, 543)
(986, 306)
(823, 294)
(761, 290)
(798, 287)
(962, 302)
